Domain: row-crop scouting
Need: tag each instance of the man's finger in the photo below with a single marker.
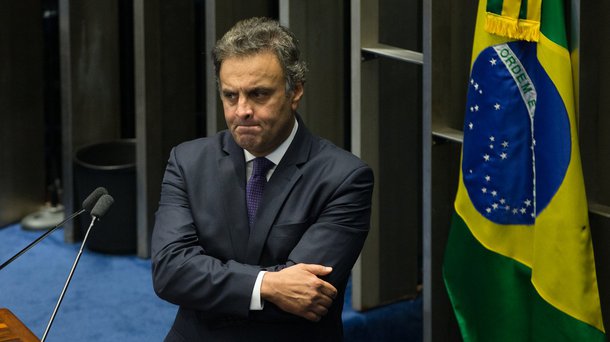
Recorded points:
(324, 301)
(320, 310)
(329, 290)
(318, 270)
(312, 316)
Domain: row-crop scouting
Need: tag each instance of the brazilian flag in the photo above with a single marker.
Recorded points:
(519, 262)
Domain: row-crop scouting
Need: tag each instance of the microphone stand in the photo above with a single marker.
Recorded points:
(40, 238)
(63, 291)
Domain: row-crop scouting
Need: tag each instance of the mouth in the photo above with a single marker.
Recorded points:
(247, 129)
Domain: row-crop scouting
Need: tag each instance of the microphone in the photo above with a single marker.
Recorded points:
(101, 207)
(88, 205)
(98, 211)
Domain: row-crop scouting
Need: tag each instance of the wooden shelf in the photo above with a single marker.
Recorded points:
(395, 53)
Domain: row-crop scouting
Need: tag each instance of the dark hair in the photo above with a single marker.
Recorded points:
(254, 35)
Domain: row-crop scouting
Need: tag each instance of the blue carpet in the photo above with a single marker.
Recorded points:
(110, 297)
(400, 321)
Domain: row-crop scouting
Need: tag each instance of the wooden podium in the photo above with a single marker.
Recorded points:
(13, 330)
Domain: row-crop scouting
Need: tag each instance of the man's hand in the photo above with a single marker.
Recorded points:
(299, 290)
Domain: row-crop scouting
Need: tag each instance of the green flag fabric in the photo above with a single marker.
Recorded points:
(519, 262)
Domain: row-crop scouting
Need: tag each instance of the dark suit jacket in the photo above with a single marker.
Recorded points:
(315, 209)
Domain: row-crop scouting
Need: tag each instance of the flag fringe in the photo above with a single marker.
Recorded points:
(513, 28)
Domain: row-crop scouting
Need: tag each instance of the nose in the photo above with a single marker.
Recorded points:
(244, 109)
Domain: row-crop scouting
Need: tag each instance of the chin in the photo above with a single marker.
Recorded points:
(247, 143)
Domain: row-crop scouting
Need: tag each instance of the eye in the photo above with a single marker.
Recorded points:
(229, 96)
(260, 94)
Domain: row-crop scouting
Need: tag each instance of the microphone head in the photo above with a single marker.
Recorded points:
(102, 206)
(92, 199)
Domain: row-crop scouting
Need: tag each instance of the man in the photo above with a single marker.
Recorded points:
(278, 271)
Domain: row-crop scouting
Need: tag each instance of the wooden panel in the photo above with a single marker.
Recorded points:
(448, 35)
(323, 43)
(366, 275)
(90, 85)
(399, 178)
(148, 116)
(12, 329)
(22, 167)
(386, 133)
(594, 100)
(400, 23)
(600, 233)
(166, 96)
(594, 106)
(444, 177)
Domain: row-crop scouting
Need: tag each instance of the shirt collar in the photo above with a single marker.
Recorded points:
(277, 154)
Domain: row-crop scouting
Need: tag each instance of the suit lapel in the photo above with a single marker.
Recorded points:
(232, 175)
(277, 189)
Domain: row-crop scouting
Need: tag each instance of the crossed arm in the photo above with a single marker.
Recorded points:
(186, 274)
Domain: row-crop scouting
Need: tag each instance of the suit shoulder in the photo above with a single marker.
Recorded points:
(328, 150)
(331, 160)
(200, 145)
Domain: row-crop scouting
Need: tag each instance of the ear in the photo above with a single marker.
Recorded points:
(297, 94)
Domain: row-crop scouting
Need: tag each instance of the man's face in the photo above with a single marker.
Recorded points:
(258, 111)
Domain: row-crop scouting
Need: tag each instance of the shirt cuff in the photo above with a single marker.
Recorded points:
(255, 302)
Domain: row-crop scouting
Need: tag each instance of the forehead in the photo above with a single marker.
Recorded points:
(259, 67)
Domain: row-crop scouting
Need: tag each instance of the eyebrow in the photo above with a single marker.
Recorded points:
(259, 89)
(248, 91)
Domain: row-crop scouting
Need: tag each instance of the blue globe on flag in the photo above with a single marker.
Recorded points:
(516, 135)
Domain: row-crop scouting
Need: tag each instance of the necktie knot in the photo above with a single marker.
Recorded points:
(261, 166)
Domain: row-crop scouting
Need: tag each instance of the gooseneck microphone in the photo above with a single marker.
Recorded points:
(88, 205)
(98, 211)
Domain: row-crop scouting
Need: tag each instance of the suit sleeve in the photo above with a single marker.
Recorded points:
(337, 236)
(183, 273)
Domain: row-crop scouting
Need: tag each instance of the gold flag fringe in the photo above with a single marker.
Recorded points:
(520, 29)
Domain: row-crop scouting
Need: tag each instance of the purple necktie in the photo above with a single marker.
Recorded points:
(256, 185)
